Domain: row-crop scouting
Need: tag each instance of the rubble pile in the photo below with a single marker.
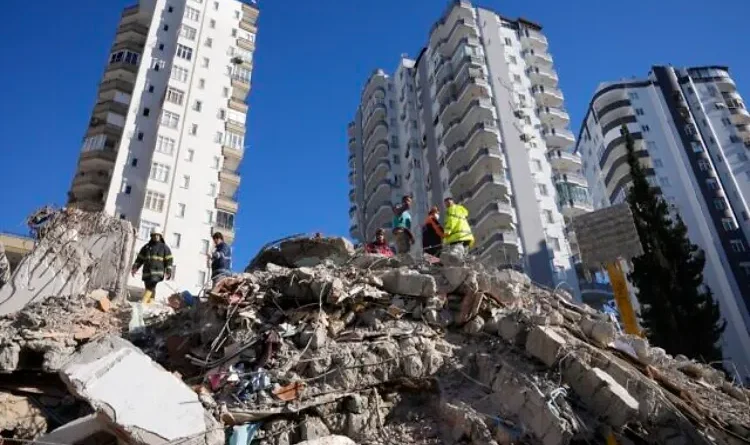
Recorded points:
(317, 343)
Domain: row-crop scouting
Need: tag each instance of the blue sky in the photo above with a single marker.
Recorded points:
(311, 62)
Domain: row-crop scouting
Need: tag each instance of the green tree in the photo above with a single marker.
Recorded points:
(677, 312)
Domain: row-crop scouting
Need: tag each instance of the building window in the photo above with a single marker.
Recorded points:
(555, 244)
(204, 246)
(192, 14)
(169, 119)
(201, 278)
(737, 245)
(543, 189)
(225, 92)
(205, 62)
(726, 121)
(194, 130)
(512, 60)
(645, 128)
(209, 42)
(719, 204)
(128, 189)
(190, 155)
(234, 32)
(165, 145)
(179, 73)
(225, 220)
(146, 111)
(212, 24)
(508, 42)
(187, 32)
(734, 139)
(216, 6)
(550, 217)
(633, 95)
(134, 162)
(176, 239)
(145, 229)
(651, 145)
(154, 201)
(664, 182)
(202, 83)
(209, 217)
(170, 9)
(184, 52)
(222, 114)
(198, 106)
(237, 15)
(728, 224)
(185, 182)
(166, 28)
(658, 163)
(181, 210)
(150, 88)
(159, 172)
(517, 78)
(212, 189)
(140, 135)
(712, 184)
(161, 47)
(703, 164)
(639, 111)
(175, 96)
(697, 147)
(217, 161)
(218, 137)
(537, 165)
(234, 140)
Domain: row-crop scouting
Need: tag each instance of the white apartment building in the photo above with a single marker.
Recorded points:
(166, 135)
(492, 134)
(692, 133)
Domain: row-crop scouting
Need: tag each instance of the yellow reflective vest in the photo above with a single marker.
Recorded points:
(456, 227)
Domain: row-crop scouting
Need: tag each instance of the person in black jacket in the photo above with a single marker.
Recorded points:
(156, 259)
(221, 259)
(432, 233)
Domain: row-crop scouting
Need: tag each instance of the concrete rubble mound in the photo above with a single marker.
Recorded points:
(317, 343)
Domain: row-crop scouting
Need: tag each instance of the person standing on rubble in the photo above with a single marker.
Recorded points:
(456, 225)
(402, 226)
(380, 245)
(156, 259)
(221, 259)
(432, 233)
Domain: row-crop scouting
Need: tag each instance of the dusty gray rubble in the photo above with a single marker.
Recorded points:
(317, 343)
(78, 252)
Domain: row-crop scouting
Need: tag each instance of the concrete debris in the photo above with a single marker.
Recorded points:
(21, 416)
(319, 344)
(78, 253)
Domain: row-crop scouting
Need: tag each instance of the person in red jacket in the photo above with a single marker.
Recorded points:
(380, 245)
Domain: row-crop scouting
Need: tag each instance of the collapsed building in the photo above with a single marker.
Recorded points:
(318, 343)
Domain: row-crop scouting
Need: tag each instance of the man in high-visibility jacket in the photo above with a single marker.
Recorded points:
(456, 229)
(156, 259)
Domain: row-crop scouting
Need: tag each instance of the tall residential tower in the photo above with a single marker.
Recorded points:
(692, 133)
(166, 135)
(478, 116)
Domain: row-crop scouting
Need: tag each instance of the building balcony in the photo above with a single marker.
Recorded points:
(352, 178)
(531, 39)
(227, 203)
(725, 84)
(229, 182)
(482, 163)
(460, 128)
(92, 181)
(99, 126)
(232, 157)
(350, 130)
(490, 187)
(97, 160)
(462, 28)
(237, 106)
(379, 132)
(739, 115)
(481, 136)
(110, 106)
(376, 113)
(493, 216)
(376, 155)
(240, 88)
(542, 76)
(248, 25)
(380, 172)
(573, 199)
(558, 137)
(380, 191)
(571, 178)
(442, 29)
(572, 208)
(246, 44)
(537, 58)
(122, 69)
(547, 96)
(502, 247)
(563, 160)
(121, 85)
(235, 126)
(553, 117)
(352, 195)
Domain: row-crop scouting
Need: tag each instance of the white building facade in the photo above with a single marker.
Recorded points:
(692, 133)
(167, 134)
(492, 134)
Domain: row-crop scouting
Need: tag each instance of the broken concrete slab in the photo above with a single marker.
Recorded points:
(545, 344)
(83, 430)
(151, 405)
(80, 252)
(329, 440)
(405, 281)
(309, 252)
(22, 416)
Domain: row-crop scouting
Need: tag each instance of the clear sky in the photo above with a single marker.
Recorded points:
(311, 61)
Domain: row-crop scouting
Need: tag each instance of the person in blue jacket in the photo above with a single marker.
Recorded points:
(221, 259)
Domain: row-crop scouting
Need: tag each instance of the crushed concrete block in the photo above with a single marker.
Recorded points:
(409, 282)
(313, 251)
(509, 328)
(316, 337)
(21, 416)
(602, 332)
(147, 403)
(545, 344)
(80, 252)
(412, 366)
(329, 440)
(474, 326)
(602, 394)
(313, 428)
(455, 276)
(81, 430)
(555, 318)
(10, 355)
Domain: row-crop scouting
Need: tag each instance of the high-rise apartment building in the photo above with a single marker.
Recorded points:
(478, 116)
(692, 133)
(166, 135)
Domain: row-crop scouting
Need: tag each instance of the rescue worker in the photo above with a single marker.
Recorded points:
(4, 267)
(402, 226)
(221, 259)
(156, 259)
(380, 245)
(456, 225)
(432, 233)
